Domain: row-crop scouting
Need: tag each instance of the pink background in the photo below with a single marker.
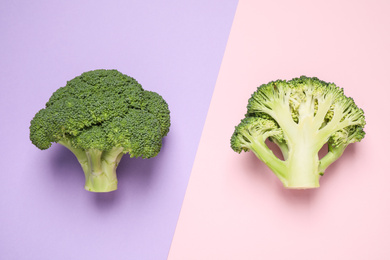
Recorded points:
(234, 207)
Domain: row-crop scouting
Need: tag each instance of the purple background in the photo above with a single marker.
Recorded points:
(172, 47)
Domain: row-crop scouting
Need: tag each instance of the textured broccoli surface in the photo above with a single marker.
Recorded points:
(300, 116)
(99, 116)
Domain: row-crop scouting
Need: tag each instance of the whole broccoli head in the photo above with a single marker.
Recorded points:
(300, 116)
(99, 116)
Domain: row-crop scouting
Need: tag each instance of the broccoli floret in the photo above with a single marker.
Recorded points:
(100, 116)
(300, 116)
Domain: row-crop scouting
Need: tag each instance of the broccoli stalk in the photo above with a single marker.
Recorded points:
(100, 116)
(299, 116)
(99, 166)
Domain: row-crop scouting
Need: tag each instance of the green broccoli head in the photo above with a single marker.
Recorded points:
(254, 130)
(307, 113)
(142, 139)
(102, 114)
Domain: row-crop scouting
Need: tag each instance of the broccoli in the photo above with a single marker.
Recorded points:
(300, 116)
(100, 116)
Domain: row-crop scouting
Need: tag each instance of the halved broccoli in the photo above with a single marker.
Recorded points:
(99, 116)
(300, 116)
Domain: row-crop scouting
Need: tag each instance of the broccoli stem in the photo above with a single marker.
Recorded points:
(303, 162)
(100, 175)
(99, 167)
(262, 152)
(333, 154)
(303, 168)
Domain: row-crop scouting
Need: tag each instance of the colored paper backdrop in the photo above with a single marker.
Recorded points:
(172, 47)
(234, 207)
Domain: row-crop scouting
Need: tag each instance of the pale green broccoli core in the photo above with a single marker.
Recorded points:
(99, 167)
(100, 116)
(300, 116)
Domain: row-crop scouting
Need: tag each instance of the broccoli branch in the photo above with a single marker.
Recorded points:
(333, 154)
(99, 166)
(261, 150)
